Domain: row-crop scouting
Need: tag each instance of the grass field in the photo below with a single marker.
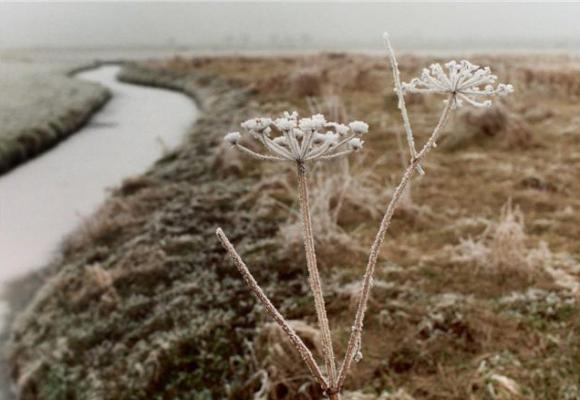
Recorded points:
(476, 289)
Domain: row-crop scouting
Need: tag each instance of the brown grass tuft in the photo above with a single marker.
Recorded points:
(480, 125)
(340, 199)
(504, 247)
(508, 242)
(307, 81)
(286, 374)
(104, 226)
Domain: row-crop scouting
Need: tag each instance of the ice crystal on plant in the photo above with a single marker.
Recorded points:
(233, 138)
(304, 139)
(355, 144)
(464, 81)
(359, 127)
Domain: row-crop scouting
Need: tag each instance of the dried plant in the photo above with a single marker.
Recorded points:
(307, 81)
(343, 193)
(326, 230)
(508, 245)
(274, 354)
(504, 247)
(501, 246)
(507, 128)
(303, 141)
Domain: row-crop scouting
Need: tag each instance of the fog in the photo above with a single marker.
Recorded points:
(291, 26)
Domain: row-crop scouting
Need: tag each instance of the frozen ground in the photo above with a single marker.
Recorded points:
(46, 198)
(146, 266)
(40, 106)
(50, 195)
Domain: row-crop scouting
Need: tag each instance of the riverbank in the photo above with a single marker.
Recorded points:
(41, 105)
(144, 304)
(169, 183)
(51, 195)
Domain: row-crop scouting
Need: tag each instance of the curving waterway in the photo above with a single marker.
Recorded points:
(47, 197)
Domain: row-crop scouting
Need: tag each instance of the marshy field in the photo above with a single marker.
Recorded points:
(281, 201)
(475, 291)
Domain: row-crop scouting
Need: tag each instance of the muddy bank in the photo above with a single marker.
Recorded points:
(41, 105)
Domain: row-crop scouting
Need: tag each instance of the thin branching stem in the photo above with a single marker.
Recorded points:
(401, 101)
(304, 352)
(336, 155)
(258, 156)
(355, 336)
(314, 275)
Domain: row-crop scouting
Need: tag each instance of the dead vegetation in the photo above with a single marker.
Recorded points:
(497, 124)
(444, 323)
(279, 366)
(343, 196)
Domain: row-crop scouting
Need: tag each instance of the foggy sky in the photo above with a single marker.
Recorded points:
(289, 25)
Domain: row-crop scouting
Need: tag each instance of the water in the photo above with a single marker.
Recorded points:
(46, 198)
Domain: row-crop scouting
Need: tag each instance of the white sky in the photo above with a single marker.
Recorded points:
(286, 25)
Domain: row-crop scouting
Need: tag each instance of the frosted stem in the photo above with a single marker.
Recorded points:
(314, 276)
(258, 156)
(401, 101)
(304, 352)
(357, 327)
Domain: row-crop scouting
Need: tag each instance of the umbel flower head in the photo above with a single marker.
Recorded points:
(464, 81)
(290, 138)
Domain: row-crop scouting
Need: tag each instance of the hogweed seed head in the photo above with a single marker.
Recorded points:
(464, 80)
(301, 139)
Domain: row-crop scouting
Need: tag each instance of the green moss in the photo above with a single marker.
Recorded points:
(55, 384)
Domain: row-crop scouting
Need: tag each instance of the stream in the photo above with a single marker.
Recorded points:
(49, 196)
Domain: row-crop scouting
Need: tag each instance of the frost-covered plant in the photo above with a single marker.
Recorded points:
(539, 303)
(464, 80)
(341, 193)
(508, 245)
(491, 377)
(301, 140)
(502, 245)
(306, 140)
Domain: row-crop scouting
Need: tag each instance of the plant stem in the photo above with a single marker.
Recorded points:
(401, 101)
(314, 276)
(304, 352)
(355, 336)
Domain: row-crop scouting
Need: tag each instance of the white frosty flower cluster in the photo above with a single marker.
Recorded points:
(464, 81)
(301, 139)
